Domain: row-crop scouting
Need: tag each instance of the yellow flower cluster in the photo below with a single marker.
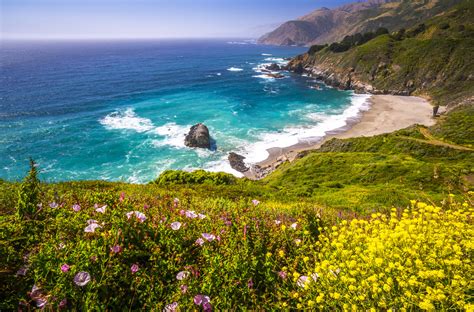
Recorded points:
(418, 258)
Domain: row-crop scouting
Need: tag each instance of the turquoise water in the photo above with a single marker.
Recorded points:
(119, 110)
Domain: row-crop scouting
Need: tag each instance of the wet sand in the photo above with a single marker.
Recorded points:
(387, 113)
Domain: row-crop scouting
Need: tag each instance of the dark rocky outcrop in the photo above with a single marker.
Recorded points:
(237, 162)
(273, 67)
(198, 136)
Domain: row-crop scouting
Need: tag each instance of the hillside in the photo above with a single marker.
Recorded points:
(210, 241)
(330, 25)
(434, 59)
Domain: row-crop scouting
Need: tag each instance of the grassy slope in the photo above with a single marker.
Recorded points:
(438, 62)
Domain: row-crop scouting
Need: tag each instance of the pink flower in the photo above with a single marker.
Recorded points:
(175, 202)
(250, 283)
(182, 275)
(92, 226)
(116, 249)
(82, 278)
(201, 299)
(208, 237)
(53, 205)
(139, 215)
(176, 226)
(201, 216)
(255, 202)
(63, 303)
(184, 289)
(65, 268)
(100, 209)
(294, 225)
(76, 207)
(277, 222)
(191, 214)
(172, 307)
(282, 274)
(134, 268)
(199, 241)
(122, 197)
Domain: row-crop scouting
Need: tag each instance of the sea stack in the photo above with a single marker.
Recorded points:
(198, 136)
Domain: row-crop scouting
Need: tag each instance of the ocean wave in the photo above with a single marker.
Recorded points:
(263, 76)
(266, 54)
(277, 60)
(126, 120)
(257, 151)
(235, 69)
(173, 135)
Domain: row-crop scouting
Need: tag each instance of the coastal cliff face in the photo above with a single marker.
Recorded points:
(328, 25)
(434, 59)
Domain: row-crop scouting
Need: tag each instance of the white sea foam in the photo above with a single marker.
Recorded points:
(266, 77)
(235, 69)
(173, 135)
(222, 165)
(266, 54)
(256, 152)
(278, 60)
(126, 120)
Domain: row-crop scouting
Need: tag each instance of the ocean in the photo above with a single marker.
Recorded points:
(119, 110)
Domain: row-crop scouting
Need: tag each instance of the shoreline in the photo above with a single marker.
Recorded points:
(387, 113)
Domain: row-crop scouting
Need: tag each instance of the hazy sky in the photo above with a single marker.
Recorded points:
(149, 18)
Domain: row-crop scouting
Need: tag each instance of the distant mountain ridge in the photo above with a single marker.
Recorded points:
(330, 25)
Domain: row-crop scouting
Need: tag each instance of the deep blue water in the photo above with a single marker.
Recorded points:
(119, 110)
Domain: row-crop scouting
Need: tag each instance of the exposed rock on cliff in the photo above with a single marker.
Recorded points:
(198, 136)
(330, 25)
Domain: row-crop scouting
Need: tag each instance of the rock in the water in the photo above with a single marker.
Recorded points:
(273, 67)
(198, 136)
(237, 162)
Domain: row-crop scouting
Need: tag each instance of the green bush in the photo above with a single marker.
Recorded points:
(176, 177)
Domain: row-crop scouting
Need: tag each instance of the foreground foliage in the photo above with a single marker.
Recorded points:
(96, 246)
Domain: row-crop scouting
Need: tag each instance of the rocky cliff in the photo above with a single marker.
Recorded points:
(434, 59)
(329, 25)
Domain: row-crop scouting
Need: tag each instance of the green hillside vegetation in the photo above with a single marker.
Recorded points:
(433, 59)
(151, 245)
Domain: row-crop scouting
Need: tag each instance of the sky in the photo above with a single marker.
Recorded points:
(117, 19)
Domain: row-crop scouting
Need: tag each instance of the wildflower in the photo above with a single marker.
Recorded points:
(175, 202)
(202, 300)
(100, 209)
(294, 225)
(53, 205)
(255, 202)
(63, 304)
(92, 226)
(277, 222)
(22, 271)
(176, 226)
(201, 216)
(315, 276)
(199, 241)
(139, 215)
(191, 214)
(297, 241)
(228, 223)
(134, 268)
(122, 197)
(116, 249)
(76, 207)
(282, 274)
(250, 283)
(65, 268)
(61, 245)
(182, 275)
(184, 289)
(82, 278)
(208, 237)
(172, 307)
(302, 281)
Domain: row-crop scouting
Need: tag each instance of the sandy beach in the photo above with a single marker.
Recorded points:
(387, 113)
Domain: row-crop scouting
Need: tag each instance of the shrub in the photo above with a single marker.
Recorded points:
(174, 177)
(28, 194)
